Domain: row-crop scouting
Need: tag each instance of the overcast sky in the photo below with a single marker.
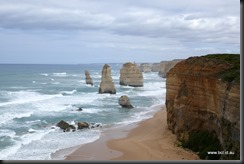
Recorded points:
(106, 31)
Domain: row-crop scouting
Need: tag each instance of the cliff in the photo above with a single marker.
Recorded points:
(131, 75)
(203, 100)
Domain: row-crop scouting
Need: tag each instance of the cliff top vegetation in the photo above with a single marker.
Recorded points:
(232, 74)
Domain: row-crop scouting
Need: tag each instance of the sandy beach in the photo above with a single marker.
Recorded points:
(149, 140)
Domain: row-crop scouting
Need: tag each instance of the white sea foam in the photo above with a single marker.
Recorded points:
(22, 97)
(40, 145)
(7, 132)
(60, 103)
(9, 151)
(5, 117)
(62, 74)
(32, 122)
(31, 130)
(54, 105)
(20, 142)
(44, 74)
(56, 83)
(94, 110)
(68, 92)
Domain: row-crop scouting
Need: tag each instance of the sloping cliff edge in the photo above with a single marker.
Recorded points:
(203, 96)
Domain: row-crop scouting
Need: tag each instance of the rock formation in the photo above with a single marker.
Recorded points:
(107, 85)
(124, 101)
(165, 66)
(155, 67)
(203, 94)
(88, 78)
(131, 75)
(82, 125)
(145, 67)
(65, 126)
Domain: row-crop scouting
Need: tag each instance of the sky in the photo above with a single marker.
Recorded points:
(116, 31)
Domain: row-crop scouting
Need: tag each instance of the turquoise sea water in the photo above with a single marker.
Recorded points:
(34, 98)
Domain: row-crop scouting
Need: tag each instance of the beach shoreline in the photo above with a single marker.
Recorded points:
(148, 139)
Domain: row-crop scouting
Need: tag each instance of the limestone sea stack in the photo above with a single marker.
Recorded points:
(165, 66)
(107, 84)
(131, 75)
(88, 78)
(124, 101)
(145, 67)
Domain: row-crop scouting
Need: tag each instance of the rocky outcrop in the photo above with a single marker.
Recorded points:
(82, 125)
(65, 126)
(107, 85)
(88, 78)
(131, 75)
(145, 67)
(155, 67)
(203, 94)
(124, 101)
(165, 66)
(149, 67)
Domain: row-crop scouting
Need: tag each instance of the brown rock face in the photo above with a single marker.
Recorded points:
(107, 85)
(198, 99)
(124, 101)
(131, 75)
(88, 78)
(165, 66)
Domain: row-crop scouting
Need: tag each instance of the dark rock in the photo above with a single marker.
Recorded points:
(124, 101)
(82, 125)
(63, 125)
(79, 109)
(95, 125)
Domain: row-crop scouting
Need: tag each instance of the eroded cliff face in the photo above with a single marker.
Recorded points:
(198, 99)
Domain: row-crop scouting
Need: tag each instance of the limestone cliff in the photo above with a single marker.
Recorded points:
(203, 94)
(131, 75)
(107, 85)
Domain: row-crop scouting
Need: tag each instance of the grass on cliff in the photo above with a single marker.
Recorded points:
(203, 142)
(232, 74)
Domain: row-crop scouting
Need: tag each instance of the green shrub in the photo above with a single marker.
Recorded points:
(203, 142)
(232, 74)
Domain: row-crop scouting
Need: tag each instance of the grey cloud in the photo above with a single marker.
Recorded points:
(140, 20)
(156, 25)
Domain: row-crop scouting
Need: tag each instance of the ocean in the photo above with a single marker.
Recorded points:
(34, 98)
